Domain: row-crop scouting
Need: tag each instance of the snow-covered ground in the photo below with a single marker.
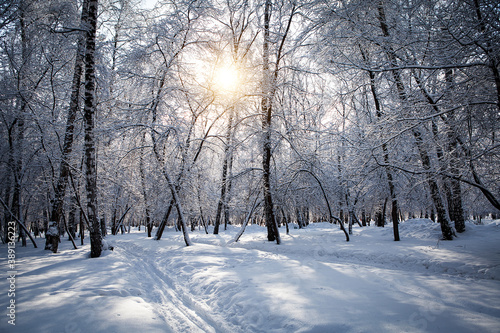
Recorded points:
(314, 281)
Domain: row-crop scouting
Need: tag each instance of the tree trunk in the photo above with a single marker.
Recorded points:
(89, 115)
(221, 207)
(228, 191)
(266, 105)
(52, 242)
(72, 218)
(442, 215)
(149, 224)
(175, 196)
(388, 170)
(164, 221)
(82, 227)
(17, 149)
(456, 209)
(174, 191)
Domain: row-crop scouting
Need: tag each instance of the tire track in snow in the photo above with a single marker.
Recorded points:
(173, 308)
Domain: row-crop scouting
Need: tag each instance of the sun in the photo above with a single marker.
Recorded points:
(226, 79)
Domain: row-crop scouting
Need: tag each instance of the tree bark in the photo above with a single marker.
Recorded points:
(266, 106)
(72, 218)
(456, 210)
(23, 91)
(149, 223)
(89, 118)
(164, 221)
(52, 242)
(221, 207)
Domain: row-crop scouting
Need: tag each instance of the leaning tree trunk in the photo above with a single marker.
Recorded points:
(176, 200)
(173, 188)
(424, 156)
(452, 186)
(89, 116)
(442, 215)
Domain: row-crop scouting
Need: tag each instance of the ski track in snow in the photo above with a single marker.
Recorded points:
(172, 307)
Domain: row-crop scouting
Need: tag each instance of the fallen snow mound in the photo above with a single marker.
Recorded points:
(420, 229)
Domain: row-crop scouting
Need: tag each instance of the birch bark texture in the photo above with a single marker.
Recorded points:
(89, 120)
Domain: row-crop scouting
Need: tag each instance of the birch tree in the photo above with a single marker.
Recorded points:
(52, 238)
(89, 119)
(269, 82)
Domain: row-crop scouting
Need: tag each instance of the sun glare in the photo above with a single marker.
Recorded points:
(226, 79)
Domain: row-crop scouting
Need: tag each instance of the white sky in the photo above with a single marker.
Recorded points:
(148, 4)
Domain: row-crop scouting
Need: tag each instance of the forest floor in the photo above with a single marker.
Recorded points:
(314, 281)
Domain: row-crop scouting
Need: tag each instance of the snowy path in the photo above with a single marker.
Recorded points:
(161, 292)
(313, 282)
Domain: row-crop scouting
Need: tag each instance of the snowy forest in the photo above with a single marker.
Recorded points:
(191, 121)
(196, 113)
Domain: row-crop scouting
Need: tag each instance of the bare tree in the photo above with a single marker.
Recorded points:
(89, 118)
(424, 155)
(269, 81)
(52, 238)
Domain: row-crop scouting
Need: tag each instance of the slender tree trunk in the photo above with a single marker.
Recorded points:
(24, 93)
(451, 186)
(89, 118)
(442, 215)
(82, 227)
(457, 211)
(221, 207)
(114, 225)
(229, 183)
(164, 221)
(266, 105)
(149, 223)
(175, 196)
(388, 170)
(173, 188)
(52, 241)
(72, 218)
